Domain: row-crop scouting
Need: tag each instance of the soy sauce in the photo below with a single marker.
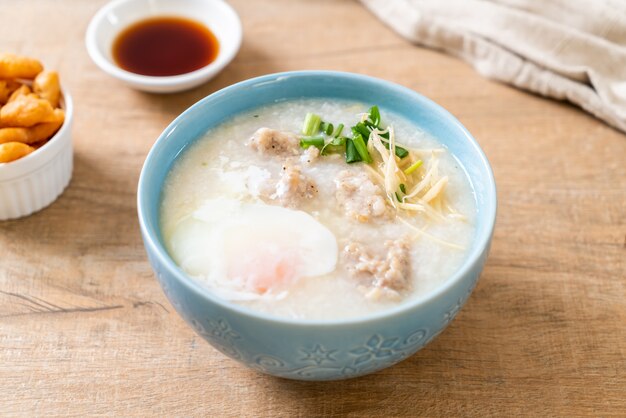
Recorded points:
(165, 46)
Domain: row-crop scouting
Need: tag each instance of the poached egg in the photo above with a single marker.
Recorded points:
(245, 251)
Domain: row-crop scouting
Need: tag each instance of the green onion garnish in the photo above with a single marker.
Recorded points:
(369, 124)
(361, 129)
(315, 141)
(413, 167)
(335, 145)
(338, 131)
(400, 152)
(329, 129)
(398, 197)
(311, 124)
(352, 155)
(359, 144)
(356, 146)
(374, 115)
(339, 141)
(402, 188)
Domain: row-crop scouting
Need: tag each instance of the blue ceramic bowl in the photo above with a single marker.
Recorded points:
(315, 350)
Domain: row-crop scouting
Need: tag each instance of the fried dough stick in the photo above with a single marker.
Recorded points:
(26, 111)
(35, 133)
(13, 66)
(12, 151)
(7, 87)
(47, 86)
(23, 90)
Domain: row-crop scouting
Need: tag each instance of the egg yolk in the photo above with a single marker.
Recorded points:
(266, 268)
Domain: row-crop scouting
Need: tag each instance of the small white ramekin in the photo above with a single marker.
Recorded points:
(117, 15)
(36, 180)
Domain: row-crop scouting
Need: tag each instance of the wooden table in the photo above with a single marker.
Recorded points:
(86, 330)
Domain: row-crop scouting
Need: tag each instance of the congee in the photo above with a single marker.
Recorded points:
(318, 209)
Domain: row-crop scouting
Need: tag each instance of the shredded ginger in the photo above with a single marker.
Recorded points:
(422, 190)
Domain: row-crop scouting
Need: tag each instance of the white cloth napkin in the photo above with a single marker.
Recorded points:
(572, 50)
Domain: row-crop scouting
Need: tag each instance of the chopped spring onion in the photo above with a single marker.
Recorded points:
(335, 145)
(361, 129)
(369, 124)
(311, 124)
(330, 129)
(327, 128)
(417, 164)
(338, 131)
(352, 155)
(374, 116)
(359, 144)
(400, 152)
(314, 141)
(338, 141)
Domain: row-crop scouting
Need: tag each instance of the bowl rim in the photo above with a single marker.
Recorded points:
(223, 58)
(481, 242)
(32, 162)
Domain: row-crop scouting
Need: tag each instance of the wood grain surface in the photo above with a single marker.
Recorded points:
(85, 329)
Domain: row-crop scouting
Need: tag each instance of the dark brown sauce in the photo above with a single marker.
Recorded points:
(165, 46)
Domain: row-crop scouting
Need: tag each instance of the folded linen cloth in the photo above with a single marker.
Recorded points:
(572, 50)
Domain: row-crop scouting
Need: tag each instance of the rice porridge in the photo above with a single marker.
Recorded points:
(318, 209)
